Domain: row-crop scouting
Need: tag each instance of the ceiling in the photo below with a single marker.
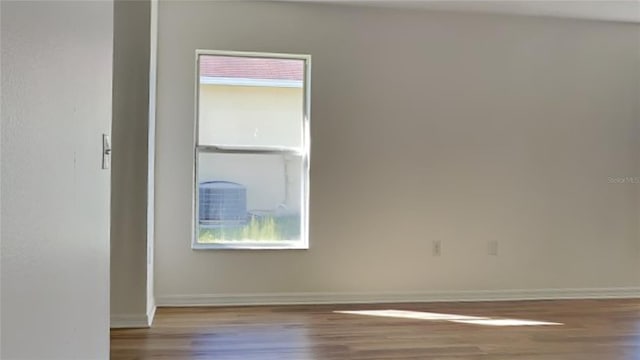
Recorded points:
(610, 10)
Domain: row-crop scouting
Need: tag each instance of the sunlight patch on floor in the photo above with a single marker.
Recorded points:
(507, 322)
(411, 315)
(462, 319)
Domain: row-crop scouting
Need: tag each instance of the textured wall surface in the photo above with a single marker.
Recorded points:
(56, 104)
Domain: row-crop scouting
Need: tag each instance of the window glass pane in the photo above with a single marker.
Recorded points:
(250, 101)
(249, 198)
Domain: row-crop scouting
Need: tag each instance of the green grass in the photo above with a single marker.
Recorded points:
(268, 228)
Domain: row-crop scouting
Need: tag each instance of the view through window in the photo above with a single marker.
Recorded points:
(252, 150)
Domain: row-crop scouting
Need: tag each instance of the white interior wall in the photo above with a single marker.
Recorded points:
(459, 128)
(56, 104)
(151, 167)
(130, 303)
(1, 102)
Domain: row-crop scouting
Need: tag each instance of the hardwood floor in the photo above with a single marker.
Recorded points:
(587, 330)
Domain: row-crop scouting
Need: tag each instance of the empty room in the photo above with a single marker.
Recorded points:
(320, 180)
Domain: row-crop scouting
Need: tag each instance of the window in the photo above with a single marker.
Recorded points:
(252, 151)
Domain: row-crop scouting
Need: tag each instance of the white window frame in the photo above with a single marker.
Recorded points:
(303, 151)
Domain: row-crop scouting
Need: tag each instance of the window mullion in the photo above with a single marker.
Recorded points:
(254, 151)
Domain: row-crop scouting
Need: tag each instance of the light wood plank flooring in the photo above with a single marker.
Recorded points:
(589, 330)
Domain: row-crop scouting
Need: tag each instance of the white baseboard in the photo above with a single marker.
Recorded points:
(151, 314)
(133, 321)
(350, 298)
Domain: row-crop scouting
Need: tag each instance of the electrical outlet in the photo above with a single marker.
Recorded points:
(437, 248)
(493, 248)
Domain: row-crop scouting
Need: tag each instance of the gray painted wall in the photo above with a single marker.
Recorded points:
(426, 126)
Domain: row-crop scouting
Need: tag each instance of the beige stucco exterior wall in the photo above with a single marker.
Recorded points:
(272, 181)
(253, 116)
(250, 115)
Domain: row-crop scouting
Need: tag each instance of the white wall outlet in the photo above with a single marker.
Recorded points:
(493, 248)
(437, 248)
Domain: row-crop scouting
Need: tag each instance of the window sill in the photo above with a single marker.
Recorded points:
(252, 246)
